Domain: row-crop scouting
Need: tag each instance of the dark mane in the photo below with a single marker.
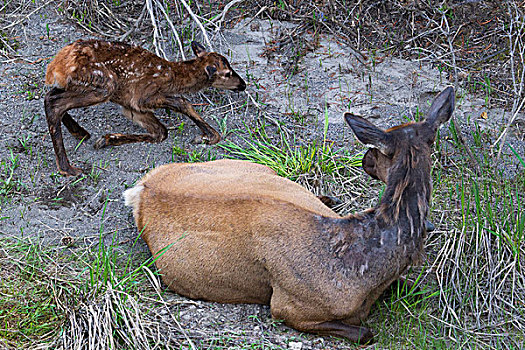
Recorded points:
(407, 195)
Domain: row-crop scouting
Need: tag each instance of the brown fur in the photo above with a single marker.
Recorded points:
(90, 72)
(242, 234)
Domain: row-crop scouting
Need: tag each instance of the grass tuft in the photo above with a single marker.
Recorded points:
(291, 159)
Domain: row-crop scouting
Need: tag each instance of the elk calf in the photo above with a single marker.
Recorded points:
(89, 72)
(242, 234)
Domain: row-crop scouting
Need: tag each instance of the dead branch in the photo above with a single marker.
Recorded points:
(516, 47)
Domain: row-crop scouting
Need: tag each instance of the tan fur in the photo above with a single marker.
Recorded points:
(237, 232)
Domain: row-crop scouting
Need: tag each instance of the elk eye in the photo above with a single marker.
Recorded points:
(227, 75)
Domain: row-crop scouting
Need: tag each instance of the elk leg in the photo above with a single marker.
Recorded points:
(157, 132)
(357, 334)
(181, 105)
(57, 102)
(74, 129)
(307, 318)
(335, 328)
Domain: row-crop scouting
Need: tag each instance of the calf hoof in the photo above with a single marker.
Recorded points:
(365, 336)
(81, 135)
(71, 171)
(212, 138)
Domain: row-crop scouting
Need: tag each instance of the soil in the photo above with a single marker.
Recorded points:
(327, 81)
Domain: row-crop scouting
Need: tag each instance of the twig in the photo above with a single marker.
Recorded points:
(226, 9)
(446, 33)
(353, 51)
(181, 49)
(262, 9)
(136, 25)
(27, 16)
(204, 34)
(156, 285)
(503, 135)
(155, 28)
(517, 82)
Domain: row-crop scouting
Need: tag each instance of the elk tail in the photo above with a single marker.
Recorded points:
(132, 197)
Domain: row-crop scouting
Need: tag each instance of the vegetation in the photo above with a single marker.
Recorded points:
(102, 292)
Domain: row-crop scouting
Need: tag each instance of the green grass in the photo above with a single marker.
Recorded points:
(480, 251)
(51, 294)
(28, 308)
(9, 183)
(290, 158)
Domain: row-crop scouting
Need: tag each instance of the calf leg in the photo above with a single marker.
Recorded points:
(181, 105)
(157, 132)
(57, 102)
(72, 126)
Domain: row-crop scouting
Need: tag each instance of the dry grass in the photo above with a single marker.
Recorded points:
(475, 268)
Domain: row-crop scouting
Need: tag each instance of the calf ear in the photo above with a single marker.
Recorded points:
(198, 49)
(369, 134)
(441, 109)
(210, 71)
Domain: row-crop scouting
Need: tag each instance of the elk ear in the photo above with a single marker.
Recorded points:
(369, 134)
(441, 110)
(370, 162)
(198, 49)
(210, 71)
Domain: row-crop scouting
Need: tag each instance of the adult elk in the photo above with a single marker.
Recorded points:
(89, 72)
(242, 234)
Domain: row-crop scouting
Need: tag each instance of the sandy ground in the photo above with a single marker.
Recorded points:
(329, 81)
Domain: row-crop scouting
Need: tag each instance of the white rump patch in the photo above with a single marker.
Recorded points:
(132, 196)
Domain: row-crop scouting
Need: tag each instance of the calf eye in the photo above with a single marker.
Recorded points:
(227, 75)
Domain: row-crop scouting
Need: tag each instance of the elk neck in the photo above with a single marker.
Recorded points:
(389, 237)
(189, 76)
(406, 198)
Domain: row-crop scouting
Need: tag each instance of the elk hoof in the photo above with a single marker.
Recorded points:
(366, 336)
(71, 171)
(100, 143)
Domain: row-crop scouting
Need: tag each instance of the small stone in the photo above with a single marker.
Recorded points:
(295, 345)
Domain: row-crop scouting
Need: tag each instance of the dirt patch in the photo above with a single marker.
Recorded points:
(300, 89)
(65, 197)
